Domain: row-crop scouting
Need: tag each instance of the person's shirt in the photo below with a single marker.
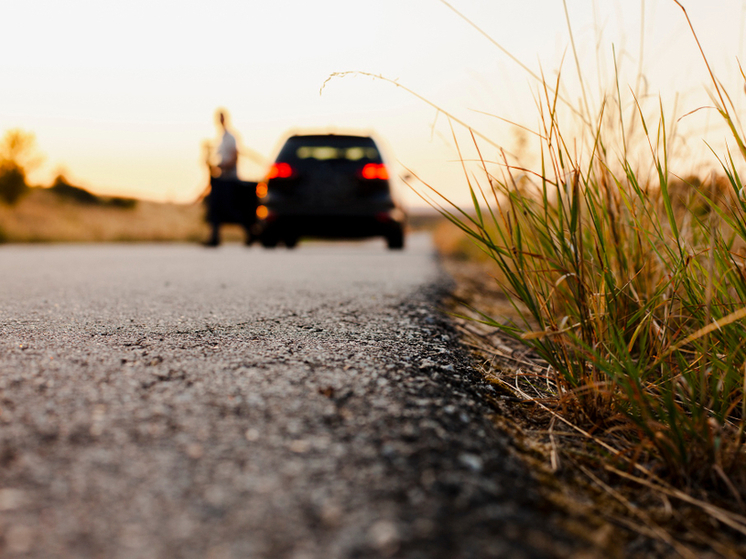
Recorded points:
(227, 151)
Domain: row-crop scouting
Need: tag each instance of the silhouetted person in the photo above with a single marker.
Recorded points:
(231, 200)
(227, 152)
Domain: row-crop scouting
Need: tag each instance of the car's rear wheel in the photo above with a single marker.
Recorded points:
(395, 239)
(269, 241)
(291, 241)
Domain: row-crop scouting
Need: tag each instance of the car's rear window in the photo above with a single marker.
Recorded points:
(329, 148)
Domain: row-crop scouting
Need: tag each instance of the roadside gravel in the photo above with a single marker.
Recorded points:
(170, 401)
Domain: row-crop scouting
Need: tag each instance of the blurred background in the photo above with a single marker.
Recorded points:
(121, 96)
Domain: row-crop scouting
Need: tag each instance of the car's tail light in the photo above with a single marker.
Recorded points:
(262, 212)
(280, 171)
(373, 171)
(261, 190)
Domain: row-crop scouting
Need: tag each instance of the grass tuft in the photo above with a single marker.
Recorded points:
(629, 283)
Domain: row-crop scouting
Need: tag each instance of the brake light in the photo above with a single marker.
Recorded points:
(280, 171)
(373, 171)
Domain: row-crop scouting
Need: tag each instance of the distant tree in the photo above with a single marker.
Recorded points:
(12, 182)
(17, 156)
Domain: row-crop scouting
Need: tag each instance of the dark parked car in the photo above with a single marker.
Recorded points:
(328, 186)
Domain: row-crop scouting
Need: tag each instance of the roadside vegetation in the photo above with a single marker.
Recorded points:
(63, 212)
(627, 288)
(43, 216)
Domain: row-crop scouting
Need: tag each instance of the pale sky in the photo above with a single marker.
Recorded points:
(122, 94)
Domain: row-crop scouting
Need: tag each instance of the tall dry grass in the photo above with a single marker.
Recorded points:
(630, 284)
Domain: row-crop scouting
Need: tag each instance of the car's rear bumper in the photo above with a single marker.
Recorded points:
(332, 226)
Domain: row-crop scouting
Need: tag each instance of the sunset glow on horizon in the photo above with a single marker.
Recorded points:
(121, 96)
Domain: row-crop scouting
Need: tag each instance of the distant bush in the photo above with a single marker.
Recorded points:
(62, 188)
(122, 203)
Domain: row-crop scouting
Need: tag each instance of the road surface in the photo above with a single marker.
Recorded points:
(164, 401)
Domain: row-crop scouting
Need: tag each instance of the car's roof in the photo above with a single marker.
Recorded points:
(332, 134)
(332, 137)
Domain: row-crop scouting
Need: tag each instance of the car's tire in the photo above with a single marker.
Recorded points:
(291, 242)
(269, 241)
(395, 239)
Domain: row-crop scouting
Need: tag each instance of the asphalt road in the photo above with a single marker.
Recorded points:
(174, 401)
